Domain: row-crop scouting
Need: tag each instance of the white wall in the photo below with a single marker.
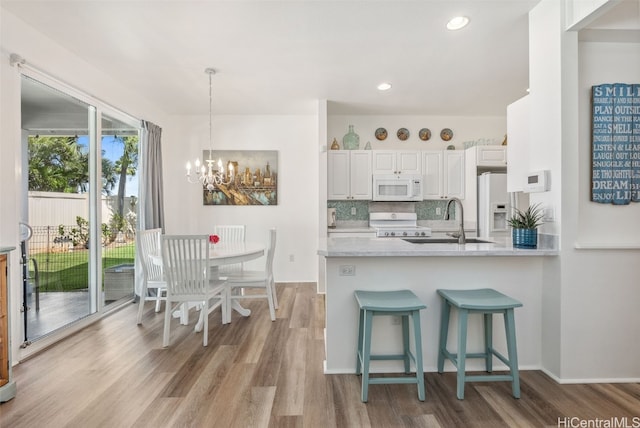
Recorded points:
(588, 296)
(600, 289)
(296, 214)
(56, 61)
(544, 153)
(601, 223)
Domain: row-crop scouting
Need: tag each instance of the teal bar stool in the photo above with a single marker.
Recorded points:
(484, 301)
(403, 303)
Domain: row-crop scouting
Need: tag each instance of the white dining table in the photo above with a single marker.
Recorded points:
(229, 253)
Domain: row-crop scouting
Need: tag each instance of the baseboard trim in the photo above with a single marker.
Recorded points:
(589, 380)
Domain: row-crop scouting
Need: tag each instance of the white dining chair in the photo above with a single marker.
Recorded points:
(230, 233)
(187, 269)
(147, 248)
(255, 279)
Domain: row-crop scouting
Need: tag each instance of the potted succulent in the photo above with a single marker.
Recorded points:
(524, 226)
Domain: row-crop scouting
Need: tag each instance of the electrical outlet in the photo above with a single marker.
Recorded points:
(395, 320)
(291, 258)
(438, 211)
(347, 270)
(353, 210)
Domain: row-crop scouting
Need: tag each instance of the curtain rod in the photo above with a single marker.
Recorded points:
(15, 60)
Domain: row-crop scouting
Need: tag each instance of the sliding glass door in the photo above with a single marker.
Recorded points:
(119, 149)
(80, 206)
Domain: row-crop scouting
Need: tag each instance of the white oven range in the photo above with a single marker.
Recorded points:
(397, 225)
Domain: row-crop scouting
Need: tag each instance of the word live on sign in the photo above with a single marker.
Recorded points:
(615, 167)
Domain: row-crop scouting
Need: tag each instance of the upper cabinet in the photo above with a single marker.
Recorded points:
(397, 162)
(518, 135)
(491, 155)
(443, 174)
(349, 174)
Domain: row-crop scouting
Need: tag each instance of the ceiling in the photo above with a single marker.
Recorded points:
(280, 57)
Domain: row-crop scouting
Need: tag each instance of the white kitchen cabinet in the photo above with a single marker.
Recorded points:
(349, 174)
(443, 174)
(518, 131)
(397, 162)
(491, 156)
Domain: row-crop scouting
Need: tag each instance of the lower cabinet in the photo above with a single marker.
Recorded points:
(7, 386)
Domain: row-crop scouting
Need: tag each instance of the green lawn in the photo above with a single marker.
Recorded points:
(69, 270)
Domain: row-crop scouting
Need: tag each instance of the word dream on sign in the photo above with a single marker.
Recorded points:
(615, 161)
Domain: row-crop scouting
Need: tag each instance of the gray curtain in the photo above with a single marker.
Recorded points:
(151, 186)
(151, 198)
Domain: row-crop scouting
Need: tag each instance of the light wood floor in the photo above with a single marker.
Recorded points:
(258, 373)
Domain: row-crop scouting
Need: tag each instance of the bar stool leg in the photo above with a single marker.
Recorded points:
(462, 351)
(510, 330)
(415, 315)
(406, 344)
(366, 354)
(488, 341)
(444, 334)
(359, 354)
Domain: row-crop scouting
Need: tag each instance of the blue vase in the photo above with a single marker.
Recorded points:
(525, 238)
(351, 140)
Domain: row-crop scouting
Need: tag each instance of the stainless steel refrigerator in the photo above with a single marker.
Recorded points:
(493, 205)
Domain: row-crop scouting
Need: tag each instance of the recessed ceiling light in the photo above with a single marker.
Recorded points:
(384, 86)
(457, 23)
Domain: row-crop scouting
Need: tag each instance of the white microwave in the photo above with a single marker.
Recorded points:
(397, 187)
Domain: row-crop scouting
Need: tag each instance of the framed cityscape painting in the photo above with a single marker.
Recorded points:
(250, 177)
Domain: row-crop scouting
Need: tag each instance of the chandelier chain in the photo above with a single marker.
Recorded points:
(209, 177)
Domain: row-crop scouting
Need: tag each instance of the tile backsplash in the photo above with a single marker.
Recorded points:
(426, 210)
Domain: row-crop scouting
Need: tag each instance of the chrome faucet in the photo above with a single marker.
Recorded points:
(460, 233)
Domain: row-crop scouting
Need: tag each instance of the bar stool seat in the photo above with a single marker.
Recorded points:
(485, 301)
(403, 303)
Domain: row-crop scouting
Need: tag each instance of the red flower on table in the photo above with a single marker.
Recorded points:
(214, 239)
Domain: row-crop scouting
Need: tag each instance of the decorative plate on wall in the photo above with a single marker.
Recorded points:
(381, 134)
(424, 134)
(403, 134)
(446, 134)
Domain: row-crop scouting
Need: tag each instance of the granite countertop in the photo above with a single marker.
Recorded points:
(350, 229)
(396, 247)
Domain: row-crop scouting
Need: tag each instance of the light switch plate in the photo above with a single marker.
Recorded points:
(547, 214)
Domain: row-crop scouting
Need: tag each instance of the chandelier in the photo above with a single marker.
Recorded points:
(209, 176)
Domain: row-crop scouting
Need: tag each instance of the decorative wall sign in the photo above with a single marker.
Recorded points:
(255, 180)
(615, 155)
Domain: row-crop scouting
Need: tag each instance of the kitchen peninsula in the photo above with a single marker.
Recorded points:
(387, 264)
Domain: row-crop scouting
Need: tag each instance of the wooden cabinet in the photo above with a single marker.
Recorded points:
(443, 174)
(397, 162)
(349, 174)
(7, 386)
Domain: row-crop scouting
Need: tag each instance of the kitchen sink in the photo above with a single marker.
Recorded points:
(445, 241)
